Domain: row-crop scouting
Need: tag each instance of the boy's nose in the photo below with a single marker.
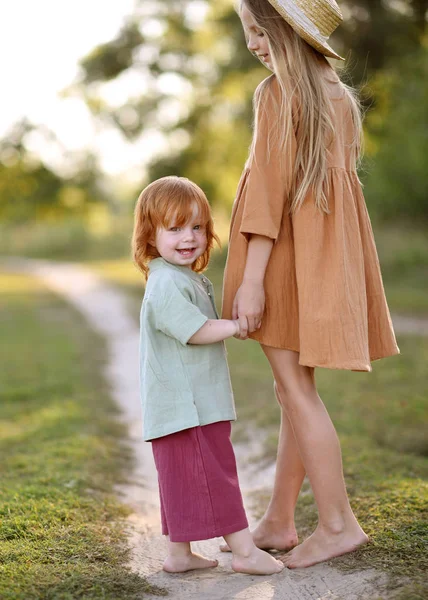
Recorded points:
(189, 234)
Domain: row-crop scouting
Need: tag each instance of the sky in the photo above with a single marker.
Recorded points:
(41, 42)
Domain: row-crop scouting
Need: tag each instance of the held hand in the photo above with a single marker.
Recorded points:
(248, 307)
(238, 329)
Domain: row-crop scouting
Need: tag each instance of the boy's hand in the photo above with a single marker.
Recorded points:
(238, 329)
(239, 335)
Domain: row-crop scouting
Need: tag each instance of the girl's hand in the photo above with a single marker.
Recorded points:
(248, 307)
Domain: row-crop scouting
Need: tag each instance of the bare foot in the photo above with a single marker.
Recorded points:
(257, 563)
(269, 537)
(321, 546)
(180, 564)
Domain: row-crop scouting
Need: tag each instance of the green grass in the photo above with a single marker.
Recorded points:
(381, 418)
(403, 254)
(382, 421)
(73, 240)
(61, 527)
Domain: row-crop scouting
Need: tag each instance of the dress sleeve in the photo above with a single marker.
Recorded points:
(175, 313)
(270, 171)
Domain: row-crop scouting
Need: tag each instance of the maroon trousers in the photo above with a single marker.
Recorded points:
(198, 483)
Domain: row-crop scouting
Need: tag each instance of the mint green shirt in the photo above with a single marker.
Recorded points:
(182, 385)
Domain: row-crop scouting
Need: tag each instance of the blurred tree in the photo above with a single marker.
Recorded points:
(377, 32)
(397, 182)
(420, 9)
(29, 190)
(196, 78)
(109, 60)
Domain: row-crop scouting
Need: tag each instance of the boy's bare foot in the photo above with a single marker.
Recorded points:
(321, 546)
(257, 562)
(189, 562)
(268, 537)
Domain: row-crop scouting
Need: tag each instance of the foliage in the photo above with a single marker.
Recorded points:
(397, 183)
(190, 77)
(199, 78)
(109, 60)
(30, 190)
(376, 33)
(207, 62)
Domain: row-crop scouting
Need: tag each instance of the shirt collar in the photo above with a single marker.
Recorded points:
(161, 263)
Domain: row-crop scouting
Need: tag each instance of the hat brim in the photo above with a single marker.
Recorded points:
(316, 42)
(324, 48)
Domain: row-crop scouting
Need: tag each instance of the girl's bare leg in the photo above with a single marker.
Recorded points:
(277, 529)
(247, 558)
(338, 531)
(181, 558)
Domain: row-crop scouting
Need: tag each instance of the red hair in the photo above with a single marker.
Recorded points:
(167, 201)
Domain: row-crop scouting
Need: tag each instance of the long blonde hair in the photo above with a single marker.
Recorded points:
(305, 106)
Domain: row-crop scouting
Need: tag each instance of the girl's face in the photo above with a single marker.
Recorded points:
(183, 245)
(257, 42)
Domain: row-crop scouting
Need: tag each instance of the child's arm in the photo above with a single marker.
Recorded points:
(215, 330)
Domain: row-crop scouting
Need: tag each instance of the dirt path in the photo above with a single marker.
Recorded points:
(107, 312)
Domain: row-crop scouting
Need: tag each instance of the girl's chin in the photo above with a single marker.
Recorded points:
(267, 64)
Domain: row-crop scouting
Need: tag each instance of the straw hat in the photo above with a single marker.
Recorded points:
(313, 20)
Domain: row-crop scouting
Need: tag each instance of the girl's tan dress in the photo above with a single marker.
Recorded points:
(324, 291)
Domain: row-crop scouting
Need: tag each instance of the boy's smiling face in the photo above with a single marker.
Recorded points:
(182, 245)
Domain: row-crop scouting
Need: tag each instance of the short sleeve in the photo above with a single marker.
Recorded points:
(270, 171)
(175, 313)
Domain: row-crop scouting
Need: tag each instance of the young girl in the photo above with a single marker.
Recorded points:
(185, 385)
(302, 273)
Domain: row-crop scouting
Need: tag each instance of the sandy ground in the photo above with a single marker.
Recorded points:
(107, 312)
